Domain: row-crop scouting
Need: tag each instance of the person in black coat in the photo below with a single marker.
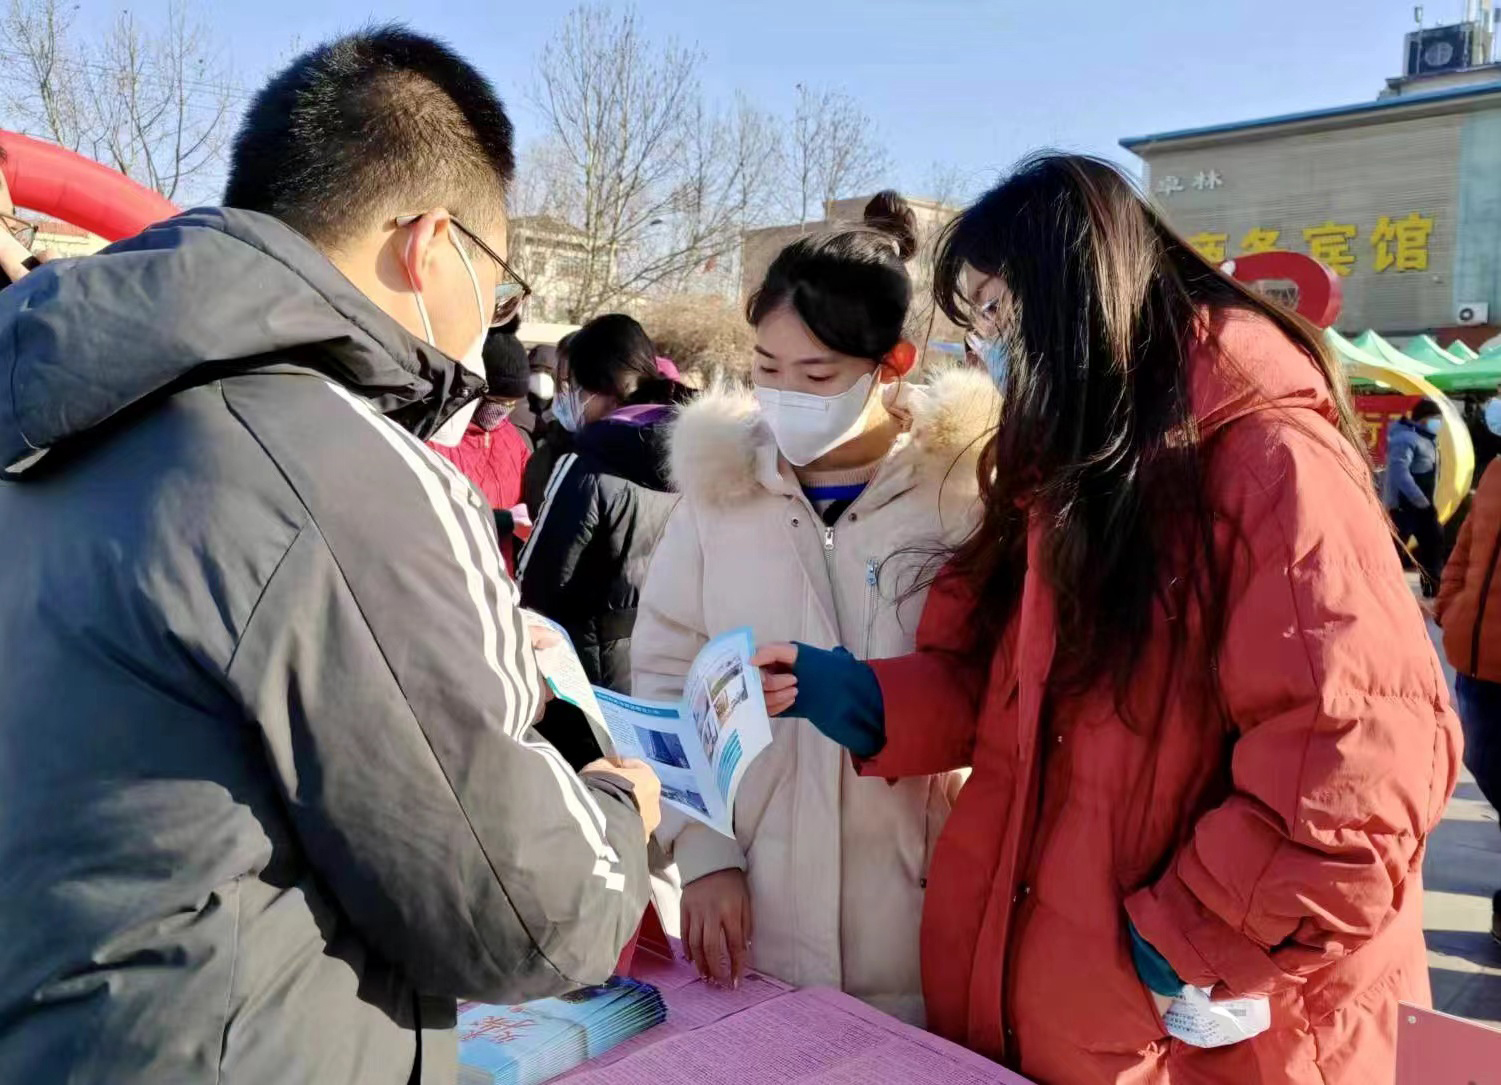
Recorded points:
(608, 499)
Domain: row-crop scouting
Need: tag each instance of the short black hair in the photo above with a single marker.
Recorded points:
(370, 126)
(1425, 408)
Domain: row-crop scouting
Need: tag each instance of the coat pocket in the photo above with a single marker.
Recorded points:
(943, 790)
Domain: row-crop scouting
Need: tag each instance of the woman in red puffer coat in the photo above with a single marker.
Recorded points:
(1209, 734)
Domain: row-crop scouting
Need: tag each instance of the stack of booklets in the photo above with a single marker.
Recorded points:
(536, 1041)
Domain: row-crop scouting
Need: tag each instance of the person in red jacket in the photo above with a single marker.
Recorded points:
(1469, 611)
(1208, 732)
(493, 452)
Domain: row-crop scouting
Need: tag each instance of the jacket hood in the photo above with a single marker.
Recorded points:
(631, 444)
(211, 292)
(1268, 372)
(719, 444)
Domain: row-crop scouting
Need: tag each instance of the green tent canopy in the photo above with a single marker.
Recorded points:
(1426, 349)
(1462, 350)
(1371, 349)
(1481, 375)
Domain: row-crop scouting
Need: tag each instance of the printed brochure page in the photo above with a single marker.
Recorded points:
(701, 746)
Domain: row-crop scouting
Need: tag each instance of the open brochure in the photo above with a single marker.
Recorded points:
(699, 746)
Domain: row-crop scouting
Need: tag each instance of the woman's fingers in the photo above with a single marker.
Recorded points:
(772, 682)
(716, 950)
(780, 690)
(693, 931)
(775, 656)
(778, 683)
(777, 703)
(737, 930)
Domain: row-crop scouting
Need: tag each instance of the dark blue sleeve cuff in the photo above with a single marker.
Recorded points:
(1152, 966)
(840, 696)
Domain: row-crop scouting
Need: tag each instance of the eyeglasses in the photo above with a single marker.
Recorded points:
(983, 319)
(510, 292)
(20, 229)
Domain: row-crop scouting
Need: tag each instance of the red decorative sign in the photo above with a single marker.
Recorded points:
(1320, 295)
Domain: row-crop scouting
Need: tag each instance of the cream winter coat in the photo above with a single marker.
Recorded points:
(836, 863)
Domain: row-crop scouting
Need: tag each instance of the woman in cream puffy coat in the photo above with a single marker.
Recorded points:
(835, 864)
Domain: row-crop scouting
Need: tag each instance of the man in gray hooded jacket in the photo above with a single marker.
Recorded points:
(269, 798)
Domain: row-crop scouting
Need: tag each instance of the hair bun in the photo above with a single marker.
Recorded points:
(892, 216)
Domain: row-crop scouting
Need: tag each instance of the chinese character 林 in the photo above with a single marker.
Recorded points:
(1211, 179)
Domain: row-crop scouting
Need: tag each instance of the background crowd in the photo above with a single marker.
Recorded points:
(1096, 676)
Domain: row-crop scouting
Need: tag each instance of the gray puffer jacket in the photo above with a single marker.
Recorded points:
(269, 800)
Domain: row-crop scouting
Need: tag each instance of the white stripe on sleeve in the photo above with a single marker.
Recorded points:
(559, 471)
(577, 798)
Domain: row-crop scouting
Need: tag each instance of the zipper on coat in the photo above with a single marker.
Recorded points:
(828, 538)
(872, 593)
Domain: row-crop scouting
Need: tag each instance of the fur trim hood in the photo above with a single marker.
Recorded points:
(718, 442)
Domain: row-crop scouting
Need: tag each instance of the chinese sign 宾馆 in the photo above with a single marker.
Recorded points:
(1393, 244)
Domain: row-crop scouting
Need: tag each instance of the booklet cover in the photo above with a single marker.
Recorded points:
(699, 746)
(536, 1041)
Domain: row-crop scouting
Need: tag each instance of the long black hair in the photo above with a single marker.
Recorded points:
(850, 287)
(1102, 302)
(613, 355)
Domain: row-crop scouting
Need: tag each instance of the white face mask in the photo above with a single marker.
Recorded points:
(541, 385)
(451, 432)
(808, 426)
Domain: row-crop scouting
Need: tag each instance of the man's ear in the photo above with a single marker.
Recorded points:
(424, 241)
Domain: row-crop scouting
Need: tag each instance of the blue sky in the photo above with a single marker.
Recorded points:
(971, 83)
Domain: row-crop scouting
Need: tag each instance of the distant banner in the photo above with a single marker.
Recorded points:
(1376, 414)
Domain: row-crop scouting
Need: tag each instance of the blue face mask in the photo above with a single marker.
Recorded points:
(1493, 415)
(568, 409)
(1433, 425)
(997, 358)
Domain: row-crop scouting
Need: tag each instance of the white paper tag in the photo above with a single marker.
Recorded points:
(1197, 1020)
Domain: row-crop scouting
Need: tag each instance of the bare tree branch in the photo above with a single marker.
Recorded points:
(832, 151)
(153, 102)
(659, 183)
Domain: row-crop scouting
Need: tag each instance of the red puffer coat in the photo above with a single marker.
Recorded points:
(1281, 859)
(1469, 599)
(494, 460)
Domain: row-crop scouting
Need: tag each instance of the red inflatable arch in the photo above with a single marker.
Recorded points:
(44, 177)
